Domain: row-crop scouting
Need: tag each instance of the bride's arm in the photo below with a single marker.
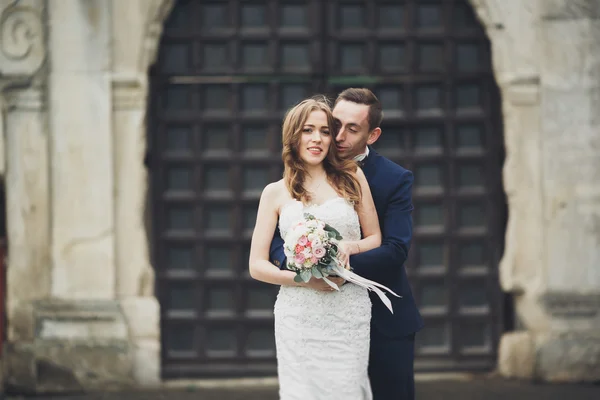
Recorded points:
(260, 267)
(369, 222)
(266, 221)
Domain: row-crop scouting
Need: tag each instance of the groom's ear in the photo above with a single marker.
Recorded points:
(374, 135)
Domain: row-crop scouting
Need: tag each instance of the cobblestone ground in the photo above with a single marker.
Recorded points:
(478, 389)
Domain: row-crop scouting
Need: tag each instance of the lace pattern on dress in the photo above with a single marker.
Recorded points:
(322, 338)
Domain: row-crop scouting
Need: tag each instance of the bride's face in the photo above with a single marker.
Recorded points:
(315, 139)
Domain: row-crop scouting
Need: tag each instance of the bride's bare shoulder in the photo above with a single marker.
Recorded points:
(274, 188)
(275, 192)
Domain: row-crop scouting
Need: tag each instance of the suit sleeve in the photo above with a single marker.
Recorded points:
(382, 262)
(276, 253)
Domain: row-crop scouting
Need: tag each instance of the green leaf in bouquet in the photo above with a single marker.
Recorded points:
(298, 279)
(317, 272)
(332, 232)
(308, 216)
(305, 274)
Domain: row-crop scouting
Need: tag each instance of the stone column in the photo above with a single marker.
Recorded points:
(522, 266)
(28, 206)
(547, 60)
(138, 24)
(24, 110)
(77, 337)
(2, 142)
(28, 228)
(135, 276)
(569, 349)
(82, 152)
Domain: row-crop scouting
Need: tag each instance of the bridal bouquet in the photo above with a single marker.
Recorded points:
(311, 248)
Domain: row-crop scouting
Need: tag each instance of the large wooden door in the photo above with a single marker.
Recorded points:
(227, 71)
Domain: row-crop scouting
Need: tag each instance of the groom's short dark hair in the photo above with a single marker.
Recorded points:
(366, 97)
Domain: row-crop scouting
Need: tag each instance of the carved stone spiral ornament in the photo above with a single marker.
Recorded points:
(22, 49)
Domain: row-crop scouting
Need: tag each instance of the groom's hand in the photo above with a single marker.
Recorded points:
(321, 285)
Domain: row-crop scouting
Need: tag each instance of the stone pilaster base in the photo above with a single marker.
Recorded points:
(77, 346)
(143, 319)
(516, 357)
(569, 356)
(552, 356)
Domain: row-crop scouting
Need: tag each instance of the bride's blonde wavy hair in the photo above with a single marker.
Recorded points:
(340, 173)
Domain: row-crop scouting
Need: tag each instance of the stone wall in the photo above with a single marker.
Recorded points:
(546, 56)
(81, 307)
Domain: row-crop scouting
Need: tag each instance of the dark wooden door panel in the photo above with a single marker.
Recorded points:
(226, 73)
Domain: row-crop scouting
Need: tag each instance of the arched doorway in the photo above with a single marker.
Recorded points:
(226, 72)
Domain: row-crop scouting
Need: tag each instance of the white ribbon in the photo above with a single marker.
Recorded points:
(362, 282)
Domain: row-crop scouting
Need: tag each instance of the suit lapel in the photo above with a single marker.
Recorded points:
(369, 165)
(369, 168)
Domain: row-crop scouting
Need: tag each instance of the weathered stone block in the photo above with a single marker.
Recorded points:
(572, 305)
(81, 345)
(20, 314)
(18, 364)
(571, 54)
(516, 358)
(142, 315)
(97, 365)
(568, 356)
(79, 320)
(570, 9)
(147, 363)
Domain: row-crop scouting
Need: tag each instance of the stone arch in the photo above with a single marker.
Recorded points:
(158, 11)
(517, 75)
(545, 56)
(153, 33)
(520, 34)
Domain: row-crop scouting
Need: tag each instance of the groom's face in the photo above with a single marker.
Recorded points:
(353, 133)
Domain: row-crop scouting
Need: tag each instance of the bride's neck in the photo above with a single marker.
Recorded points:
(315, 173)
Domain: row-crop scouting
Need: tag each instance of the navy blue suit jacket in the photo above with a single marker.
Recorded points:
(391, 187)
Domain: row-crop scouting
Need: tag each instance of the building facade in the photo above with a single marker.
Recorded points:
(138, 135)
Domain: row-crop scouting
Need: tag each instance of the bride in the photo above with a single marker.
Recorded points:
(321, 335)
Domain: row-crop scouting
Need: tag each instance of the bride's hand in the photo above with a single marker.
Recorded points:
(345, 250)
(321, 285)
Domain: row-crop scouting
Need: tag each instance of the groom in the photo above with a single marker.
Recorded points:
(358, 113)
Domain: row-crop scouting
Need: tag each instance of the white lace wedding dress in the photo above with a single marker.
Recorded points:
(322, 338)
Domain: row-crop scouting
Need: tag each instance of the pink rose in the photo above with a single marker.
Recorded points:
(299, 259)
(303, 241)
(314, 260)
(319, 252)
